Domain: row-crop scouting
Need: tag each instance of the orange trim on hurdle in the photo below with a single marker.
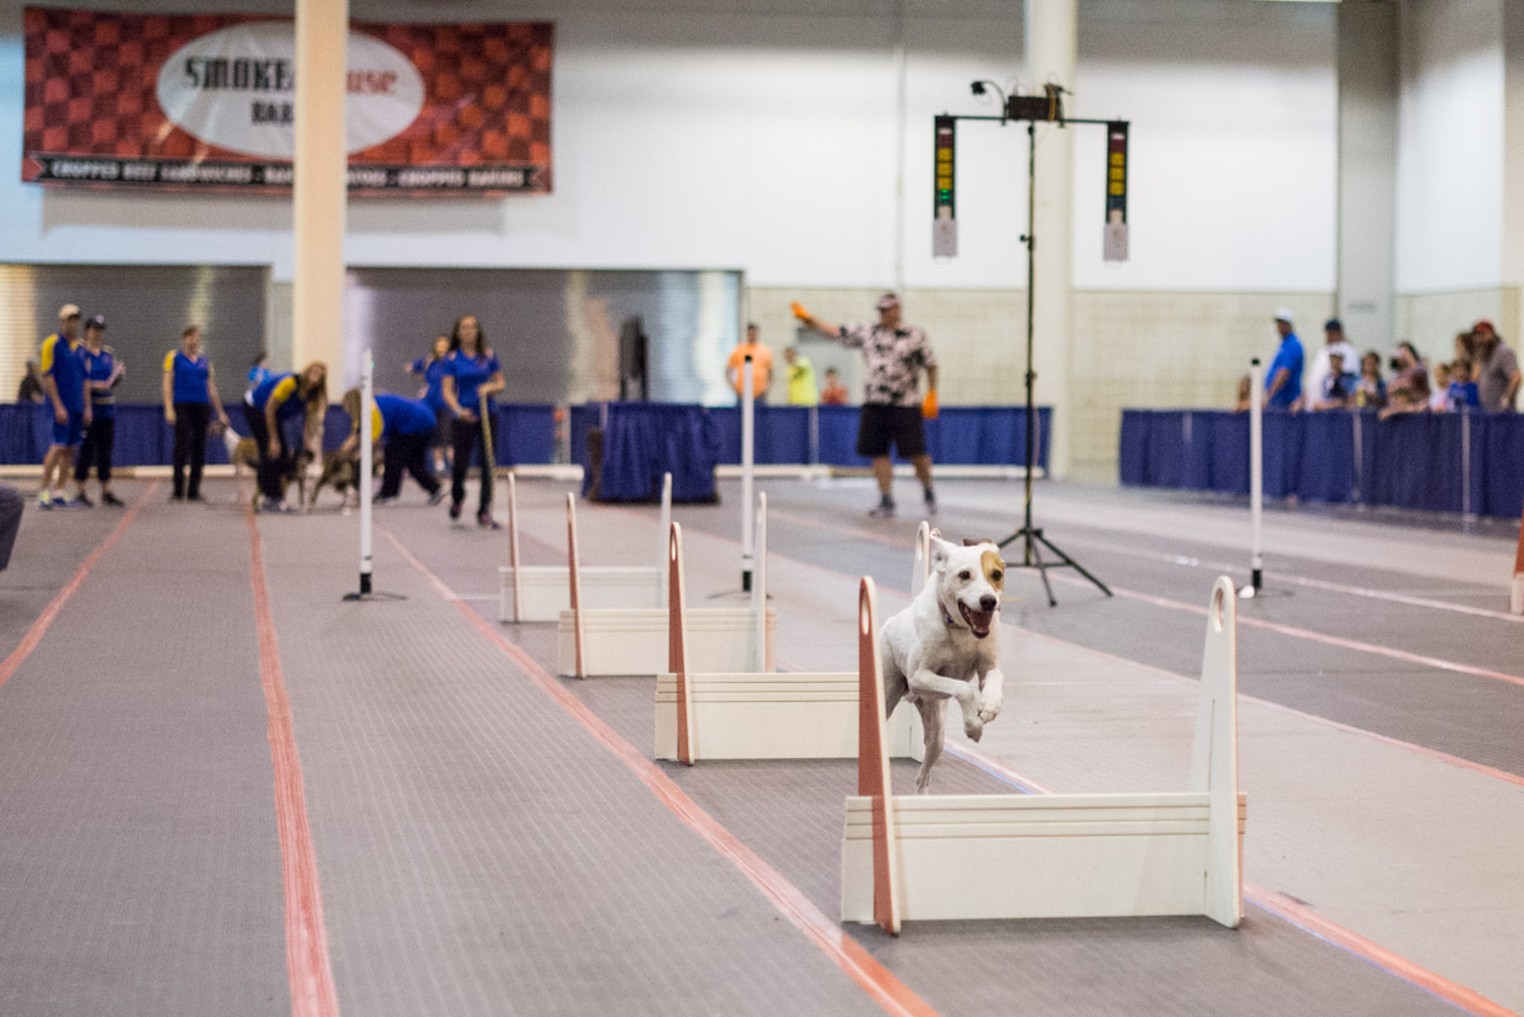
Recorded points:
(44, 621)
(873, 761)
(1518, 561)
(677, 640)
(571, 568)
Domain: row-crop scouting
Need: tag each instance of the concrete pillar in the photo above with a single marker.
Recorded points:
(1051, 43)
(1513, 172)
(1369, 87)
(319, 186)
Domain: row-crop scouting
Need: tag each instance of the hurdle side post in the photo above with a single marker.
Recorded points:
(367, 441)
(748, 442)
(574, 579)
(677, 642)
(1214, 757)
(666, 526)
(873, 760)
(1256, 476)
(513, 547)
(759, 588)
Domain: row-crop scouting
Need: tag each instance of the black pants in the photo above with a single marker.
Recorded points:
(467, 437)
(271, 468)
(11, 504)
(407, 453)
(190, 446)
(95, 450)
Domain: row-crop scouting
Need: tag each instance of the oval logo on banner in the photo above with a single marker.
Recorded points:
(236, 88)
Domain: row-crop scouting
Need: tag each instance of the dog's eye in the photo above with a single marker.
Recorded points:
(997, 575)
(965, 575)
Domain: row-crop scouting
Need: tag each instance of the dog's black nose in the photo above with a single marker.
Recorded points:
(988, 603)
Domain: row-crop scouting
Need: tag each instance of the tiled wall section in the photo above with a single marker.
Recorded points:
(1431, 320)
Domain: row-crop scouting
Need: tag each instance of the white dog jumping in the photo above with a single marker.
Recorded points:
(939, 648)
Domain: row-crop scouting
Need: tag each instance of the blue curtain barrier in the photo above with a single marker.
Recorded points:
(960, 436)
(522, 433)
(1441, 462)
(641, 441)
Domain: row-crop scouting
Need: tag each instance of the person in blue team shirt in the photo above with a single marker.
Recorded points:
(190, 395)
(1283, 382)
(402, 429)
(279, 400)
(63, 378)
(474, 375)
(259, 372)
(432, 369)
(103, 373)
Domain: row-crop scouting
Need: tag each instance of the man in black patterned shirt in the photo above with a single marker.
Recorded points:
(892, 411)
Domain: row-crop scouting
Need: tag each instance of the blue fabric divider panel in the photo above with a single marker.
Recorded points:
(1502, 444)
(525, 433)
(1417, 463)
(782, 434)
(1327, 460)
(1166, 450)
(1132, 448)
(1230, 453)
(838, 436)
(642, 441)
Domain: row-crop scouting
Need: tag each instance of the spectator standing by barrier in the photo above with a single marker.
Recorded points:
(834, 393)
(1283, 382)
(1462, 393)
(472, 378)
(31, 389)
(1370, 392)
(402, 429)
(63, 373)
(269, 409)
(1333, 341)
(103, 373)
(432, 369)
(1337, 390)
(190, 395)
(893, 410)
(761, 366)
(803, 390)
(1409, 390)
(1497, 380)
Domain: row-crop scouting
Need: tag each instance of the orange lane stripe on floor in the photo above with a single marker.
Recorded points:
(307, 965)
(44, 621)
(880, 984)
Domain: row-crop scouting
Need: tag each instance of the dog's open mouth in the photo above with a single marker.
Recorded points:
(979, 622)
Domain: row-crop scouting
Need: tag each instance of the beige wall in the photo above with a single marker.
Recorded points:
(1430, 320)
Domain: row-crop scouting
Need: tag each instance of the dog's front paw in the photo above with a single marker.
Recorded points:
(989, 708)
(974, 727)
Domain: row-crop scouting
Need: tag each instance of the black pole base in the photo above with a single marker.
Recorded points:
(1032, 543)
(366, 593)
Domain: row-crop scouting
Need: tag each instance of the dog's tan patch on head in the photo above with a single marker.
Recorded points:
(994, 569)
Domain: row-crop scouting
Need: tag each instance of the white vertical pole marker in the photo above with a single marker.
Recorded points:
(1256, 477)
(759, 588)
(367, 439)
(748, 438)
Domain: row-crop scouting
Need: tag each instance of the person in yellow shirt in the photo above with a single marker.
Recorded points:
(761, 366)
(802, 387)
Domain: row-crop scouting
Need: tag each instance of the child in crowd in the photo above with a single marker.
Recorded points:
(1462, 394)
(1370, 393)
(1439, 396)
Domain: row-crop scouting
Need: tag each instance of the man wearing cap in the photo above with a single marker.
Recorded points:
(63, 373)
(1333, 342)
(892, 411)
(103, 373)
(1283, 382)
(1497, 385)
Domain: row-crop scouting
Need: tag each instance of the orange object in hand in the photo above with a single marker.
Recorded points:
(799, 311)
(929, 408)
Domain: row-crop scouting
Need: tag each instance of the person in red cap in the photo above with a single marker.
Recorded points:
(1497, 381)
(893, 409)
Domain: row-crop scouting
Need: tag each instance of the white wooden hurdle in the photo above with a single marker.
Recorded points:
(1050, 856)
(595, 642)
(757, 713)
(539, 593)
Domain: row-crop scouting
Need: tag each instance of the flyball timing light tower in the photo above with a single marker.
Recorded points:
(1049, 108)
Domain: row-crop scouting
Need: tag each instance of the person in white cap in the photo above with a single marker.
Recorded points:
(893, 409)
(1283, 382)
(63, 373)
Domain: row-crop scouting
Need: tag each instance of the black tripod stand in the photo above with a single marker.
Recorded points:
(1032, 540)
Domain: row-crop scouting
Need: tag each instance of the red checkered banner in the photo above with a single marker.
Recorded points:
(206, 102)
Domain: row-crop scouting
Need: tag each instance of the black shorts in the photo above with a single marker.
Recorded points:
(878, 425)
